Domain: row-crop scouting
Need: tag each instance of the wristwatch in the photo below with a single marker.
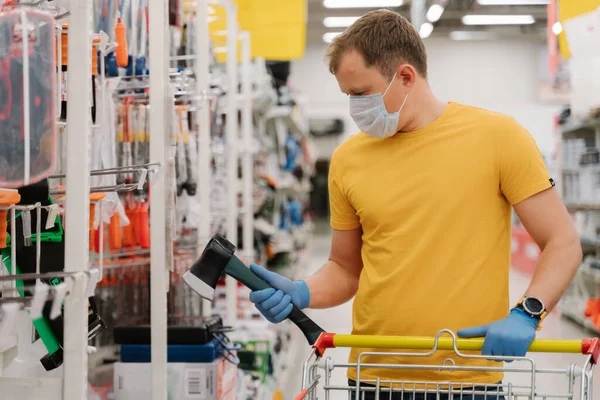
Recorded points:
(533, 307)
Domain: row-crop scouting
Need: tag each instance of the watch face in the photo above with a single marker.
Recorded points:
(533, 305)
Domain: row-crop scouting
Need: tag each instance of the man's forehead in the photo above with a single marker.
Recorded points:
(353, 75)
(352, 62)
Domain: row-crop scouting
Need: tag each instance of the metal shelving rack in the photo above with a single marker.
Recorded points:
(77, 205)
(77, 177)
(586, 283)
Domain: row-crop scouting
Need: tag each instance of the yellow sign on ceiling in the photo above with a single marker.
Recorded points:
(569, 9)
(277, 28)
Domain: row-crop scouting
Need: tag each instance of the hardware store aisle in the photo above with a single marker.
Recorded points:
(339, 320)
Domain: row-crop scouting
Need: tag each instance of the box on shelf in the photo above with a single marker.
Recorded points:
(191, 381)
(255, 356)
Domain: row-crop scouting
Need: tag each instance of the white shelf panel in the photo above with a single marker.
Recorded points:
(577, 316)
(590, 241)
(286, 113)
(31, 389)
(575, 129)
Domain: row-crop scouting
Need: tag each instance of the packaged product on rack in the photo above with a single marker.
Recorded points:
(43, 252)
(27, 97)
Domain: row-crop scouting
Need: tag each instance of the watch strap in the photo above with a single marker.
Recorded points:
(541, 317)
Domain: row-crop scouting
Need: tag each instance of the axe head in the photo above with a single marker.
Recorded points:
(204, 274)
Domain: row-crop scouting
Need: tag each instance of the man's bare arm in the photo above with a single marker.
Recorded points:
(547, 221)
(336, 282)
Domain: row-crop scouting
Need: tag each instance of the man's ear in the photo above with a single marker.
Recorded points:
(407, 74)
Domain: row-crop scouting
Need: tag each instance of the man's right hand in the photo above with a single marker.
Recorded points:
(276, 303)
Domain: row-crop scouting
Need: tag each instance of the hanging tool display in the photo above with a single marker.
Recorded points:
(51, 257)
(95, 50)
(179, 128)
(27, 97)
(123, 294)
(190, 151)
(64, 67)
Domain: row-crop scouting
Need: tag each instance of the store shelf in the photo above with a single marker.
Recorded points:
(286, 113)
(583, 206)
(575, 129)
(577, 316)
(8, 343)
(588, 241)
(591, 273)
(8, 350)
(287, 361)
(31, 389)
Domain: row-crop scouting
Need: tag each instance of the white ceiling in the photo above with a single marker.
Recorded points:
(450, 20)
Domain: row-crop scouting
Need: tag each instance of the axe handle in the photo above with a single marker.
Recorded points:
(240, 272)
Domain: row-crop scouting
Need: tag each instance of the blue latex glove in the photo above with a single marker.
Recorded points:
(508, 337)
(276, 304)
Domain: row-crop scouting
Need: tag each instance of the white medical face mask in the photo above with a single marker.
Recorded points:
(371, 116)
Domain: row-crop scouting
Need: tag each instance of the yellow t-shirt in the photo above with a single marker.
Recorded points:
(434, 206)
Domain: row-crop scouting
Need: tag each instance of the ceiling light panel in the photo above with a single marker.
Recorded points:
(339, 22)
(498, 19)
(435, 12)
(473, 35)
(361, 3)
(425, 30)
(513, 2)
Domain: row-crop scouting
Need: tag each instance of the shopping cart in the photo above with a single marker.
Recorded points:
(521, 380)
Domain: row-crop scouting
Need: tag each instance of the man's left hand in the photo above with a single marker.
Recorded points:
(508, 337)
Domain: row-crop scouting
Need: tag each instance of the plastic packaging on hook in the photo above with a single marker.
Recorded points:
(27, 97)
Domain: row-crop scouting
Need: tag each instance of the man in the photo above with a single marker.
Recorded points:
(421, 213)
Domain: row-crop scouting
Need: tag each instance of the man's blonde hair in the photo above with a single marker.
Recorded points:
(385, 39)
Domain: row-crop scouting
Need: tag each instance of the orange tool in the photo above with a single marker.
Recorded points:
(94, 197)
(128, 235)
(64, 44)
(592, 308)
(114, 232)
(121, 51)
(95, 45)
(136, 223)
(143, 228)
(63, 62)
(7, 198)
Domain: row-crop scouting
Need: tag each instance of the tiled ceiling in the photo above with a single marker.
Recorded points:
(451, 19)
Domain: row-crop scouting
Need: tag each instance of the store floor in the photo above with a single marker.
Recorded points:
(339, 320)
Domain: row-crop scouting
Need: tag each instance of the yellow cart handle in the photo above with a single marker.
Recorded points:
(332, 340)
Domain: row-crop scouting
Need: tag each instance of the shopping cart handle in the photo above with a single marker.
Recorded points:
(332, 340)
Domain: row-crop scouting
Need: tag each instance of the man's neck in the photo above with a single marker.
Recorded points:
(427, 109)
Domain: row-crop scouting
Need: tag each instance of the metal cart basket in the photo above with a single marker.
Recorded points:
(522, 380)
